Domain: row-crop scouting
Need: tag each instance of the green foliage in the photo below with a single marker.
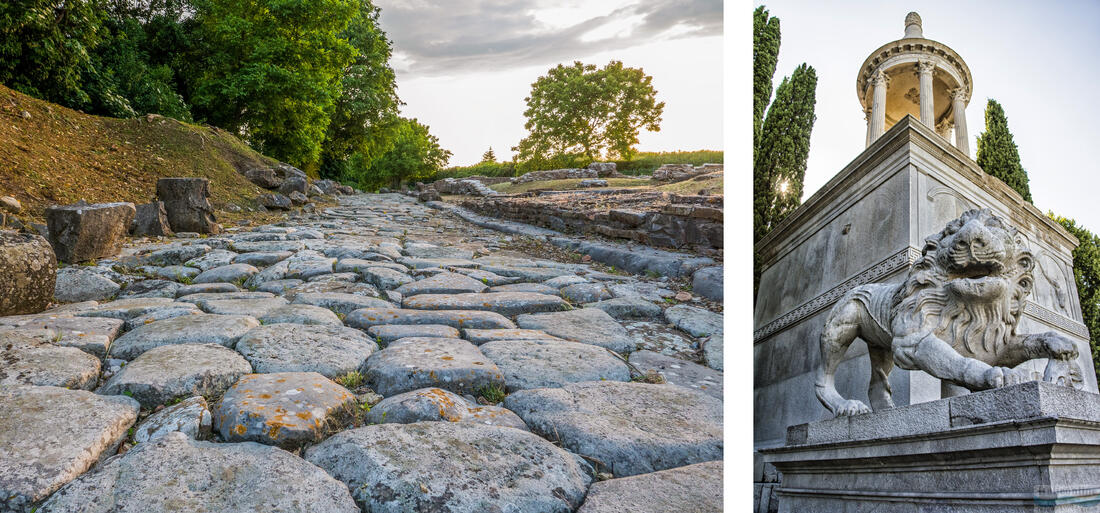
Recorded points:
(580, 112)
(642, 163)
(415, 154)
(271, 70)
(765, 54)
(351, 379)
(494, 393)
(45, 47)
(480, 169)
(489, 156)
(997, 152)
(1086, 273)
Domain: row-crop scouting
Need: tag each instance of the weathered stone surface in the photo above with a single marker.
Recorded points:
(436, 404)
(342, 277)
(564, 281)
(367, 317)
(164, 373)
(327, 350)
(386, 333)
(585, 325)
(385, 278)
(190, 417)
(186, 200)
(127, 308)
(306, 268)
(419, 362)
(442, 283)
(425, 250)
(10, 204)
(232, 273)
(285, 409)
(206, 288)
(212, 259)
(174, 254)
(250, 307)
(175, 473)
(294, 184)
(480, 336)
(279, 286)
(707, 282)
(261, 258)
(30, 361)
(150, 288)
(263, 176)
(151, 220)
(508, 304)
(75, 284)
(679, 372)
(585, 293)
(453, 467)
(694, 320)
(645, 290)
(712, 351)
(695, 488)
(28, 271)
(274, 201)
(46, 446)
(632, 428)
(537, 288)
(89, 334)
(301, 314)
(628, 308)
(268, 246)
(539, 274)
(199, 298)
(84, 232)
(187, 329)
(174, 272)
(427, 263)
(339, 302)
(552, 363)
(486, 277)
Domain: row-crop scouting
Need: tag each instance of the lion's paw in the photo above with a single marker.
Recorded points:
(1059, 347)
(852, 407)
(997, 377)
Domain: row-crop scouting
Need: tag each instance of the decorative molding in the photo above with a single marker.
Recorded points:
(1055, 319)
(891, 264)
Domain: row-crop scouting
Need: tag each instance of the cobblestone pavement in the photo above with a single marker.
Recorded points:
(378, 356)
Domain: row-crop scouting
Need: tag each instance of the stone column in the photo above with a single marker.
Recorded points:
(927, 100)
(867, 117)
(962, 138)
(878, 105)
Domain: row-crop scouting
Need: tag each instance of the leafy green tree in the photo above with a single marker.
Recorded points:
(270, 71)
(489, 156)
(45, 47)
(765, 54)
(415, 154)
(1086, 272)
(780, 164)
(580, 110)
(361, 122)
(997, 152)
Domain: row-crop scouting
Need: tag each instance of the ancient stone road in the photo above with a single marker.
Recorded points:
(379, 356)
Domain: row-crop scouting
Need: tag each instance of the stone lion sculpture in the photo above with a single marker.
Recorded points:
(954, 317)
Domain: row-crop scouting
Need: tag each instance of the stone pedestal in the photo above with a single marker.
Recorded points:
(27, 273)
(84, 232)
(187, 203)
(1030, 447)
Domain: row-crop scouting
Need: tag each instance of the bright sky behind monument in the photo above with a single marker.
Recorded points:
(465, 66)
(1035, 58)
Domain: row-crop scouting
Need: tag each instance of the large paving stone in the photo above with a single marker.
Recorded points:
(479, 337)
(30, 361)
(75, 284)
(151, 288)
(425, 250)
(279, 286)
(251, 307)
(696, 488)
(707, 282)
(206, 288)
(175, 473)
(436, 404)
(82, 232)
(547, 363)
(367, 317)
(585, 293)
(679, 372)
(508, 304)
(339, 302)
(274, 246)
(712, 351)
(186, 329)
(327, 350)
(189, 416)
(387, 333)
(420, 362)
(694, 320)
(628, 308)
(261, 258)
(332, 287)
(28, 271)
(89, 334)
(285, 409)
(425, 263)
(187, 203)
(585, 325)
(164, 373)
(453, 467)
(51, 435)
(174, 254)
(632, 428)
(486, 277)
(539, 274)
(177, 310)
(385, 278)
(301, 314)
(537, 288)
(232, 273)
(199, 298)
(212, 259)
(127, 308)
(308, 268)
(442, 283)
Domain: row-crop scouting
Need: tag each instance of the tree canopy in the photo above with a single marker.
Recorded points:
(997, 152)
(1086, 274)
(765, 54)
(489, 156)
(585, 111)
(414, 154)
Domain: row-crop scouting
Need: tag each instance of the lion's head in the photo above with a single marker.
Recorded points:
(969, 284)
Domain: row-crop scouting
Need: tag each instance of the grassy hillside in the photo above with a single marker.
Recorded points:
(53, 155)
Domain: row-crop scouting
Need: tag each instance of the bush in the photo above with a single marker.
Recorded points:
(642, 164)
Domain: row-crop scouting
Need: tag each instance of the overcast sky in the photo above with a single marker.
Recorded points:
(1037, 59)
(465, 66)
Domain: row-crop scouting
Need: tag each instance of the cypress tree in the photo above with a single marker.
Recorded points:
(997, 152)
(780, 162)
(765, 53)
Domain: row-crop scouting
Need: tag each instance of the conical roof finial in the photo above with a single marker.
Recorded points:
(913, 26)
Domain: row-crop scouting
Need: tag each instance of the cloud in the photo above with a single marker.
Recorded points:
(449, 37)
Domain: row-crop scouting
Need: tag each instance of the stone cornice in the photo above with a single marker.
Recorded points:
(916, 47)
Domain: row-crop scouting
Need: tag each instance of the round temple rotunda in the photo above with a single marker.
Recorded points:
(917, 76)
